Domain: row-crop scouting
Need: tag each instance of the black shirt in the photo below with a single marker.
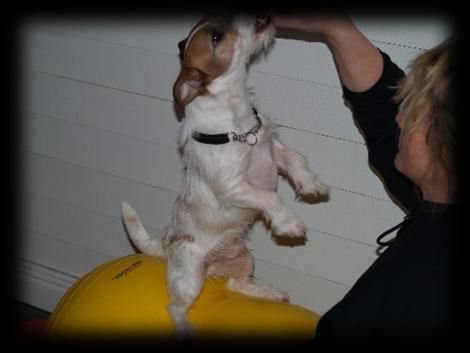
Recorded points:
(407, 293)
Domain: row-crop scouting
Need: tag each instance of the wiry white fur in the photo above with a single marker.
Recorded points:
(224, 188)
(149, 246)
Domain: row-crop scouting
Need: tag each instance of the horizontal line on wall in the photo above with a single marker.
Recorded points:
(102, 41)
(96, 170)
(64, 240)
(359, 193)
(47, 116)
(302, 272)
(317, 83)
(99, 213)
(321, 134)
(72, 204)
(328, 234)
(102, 85)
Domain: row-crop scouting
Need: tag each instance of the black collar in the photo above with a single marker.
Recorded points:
(248, 137)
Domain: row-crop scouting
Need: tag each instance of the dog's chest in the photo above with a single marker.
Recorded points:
(231, 160)
(261, 170)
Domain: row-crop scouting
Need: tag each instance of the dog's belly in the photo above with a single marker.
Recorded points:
(202, 213)
(227, 221)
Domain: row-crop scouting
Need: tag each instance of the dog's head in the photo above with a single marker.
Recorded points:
(216, 47)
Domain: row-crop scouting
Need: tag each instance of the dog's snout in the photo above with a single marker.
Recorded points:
(181, 46)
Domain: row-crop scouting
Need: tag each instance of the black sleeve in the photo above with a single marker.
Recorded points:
(375, 112)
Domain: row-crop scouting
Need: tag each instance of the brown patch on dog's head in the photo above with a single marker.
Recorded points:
(206, 54)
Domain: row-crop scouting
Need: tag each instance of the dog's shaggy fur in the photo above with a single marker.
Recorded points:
(225, 186)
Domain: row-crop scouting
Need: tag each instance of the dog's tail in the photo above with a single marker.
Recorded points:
(152, 246)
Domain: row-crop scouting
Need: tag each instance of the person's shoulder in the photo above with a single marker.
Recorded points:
(385, 87)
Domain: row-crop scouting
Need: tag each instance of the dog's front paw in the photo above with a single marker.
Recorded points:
(285, 223)
(313, 188)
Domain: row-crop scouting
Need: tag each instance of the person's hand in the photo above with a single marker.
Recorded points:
(358, 61)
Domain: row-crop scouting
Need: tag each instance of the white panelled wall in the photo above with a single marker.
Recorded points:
(99, 127)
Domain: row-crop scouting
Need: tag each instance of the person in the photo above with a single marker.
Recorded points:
(409, 123)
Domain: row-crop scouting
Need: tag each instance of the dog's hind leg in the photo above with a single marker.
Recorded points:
(185, 278)
(239, 270)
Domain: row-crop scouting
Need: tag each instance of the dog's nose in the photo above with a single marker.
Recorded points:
(181, 46)
(262, 21)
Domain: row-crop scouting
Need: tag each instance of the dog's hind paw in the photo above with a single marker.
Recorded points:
(278, 296)
(258, 290)
(184, 333)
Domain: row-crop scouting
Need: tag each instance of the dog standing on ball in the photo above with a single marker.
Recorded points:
(232, 156)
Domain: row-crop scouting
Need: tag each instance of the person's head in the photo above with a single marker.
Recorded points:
(428, 122)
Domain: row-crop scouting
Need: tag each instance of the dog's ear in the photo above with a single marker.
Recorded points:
(190, 84)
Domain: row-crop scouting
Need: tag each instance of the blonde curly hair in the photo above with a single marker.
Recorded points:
(426, 95)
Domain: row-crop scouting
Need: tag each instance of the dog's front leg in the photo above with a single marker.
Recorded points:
(295, 166)
(283, 221)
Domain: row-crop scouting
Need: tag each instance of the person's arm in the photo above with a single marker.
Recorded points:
(358, 61)
(369, 80)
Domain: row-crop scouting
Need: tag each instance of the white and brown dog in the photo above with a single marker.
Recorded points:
(232, 156)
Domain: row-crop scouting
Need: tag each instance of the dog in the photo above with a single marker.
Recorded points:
(232, 157)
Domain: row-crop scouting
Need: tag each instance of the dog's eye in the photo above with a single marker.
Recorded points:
(216, 36)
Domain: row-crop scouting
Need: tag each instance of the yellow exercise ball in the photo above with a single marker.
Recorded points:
(128, 297)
